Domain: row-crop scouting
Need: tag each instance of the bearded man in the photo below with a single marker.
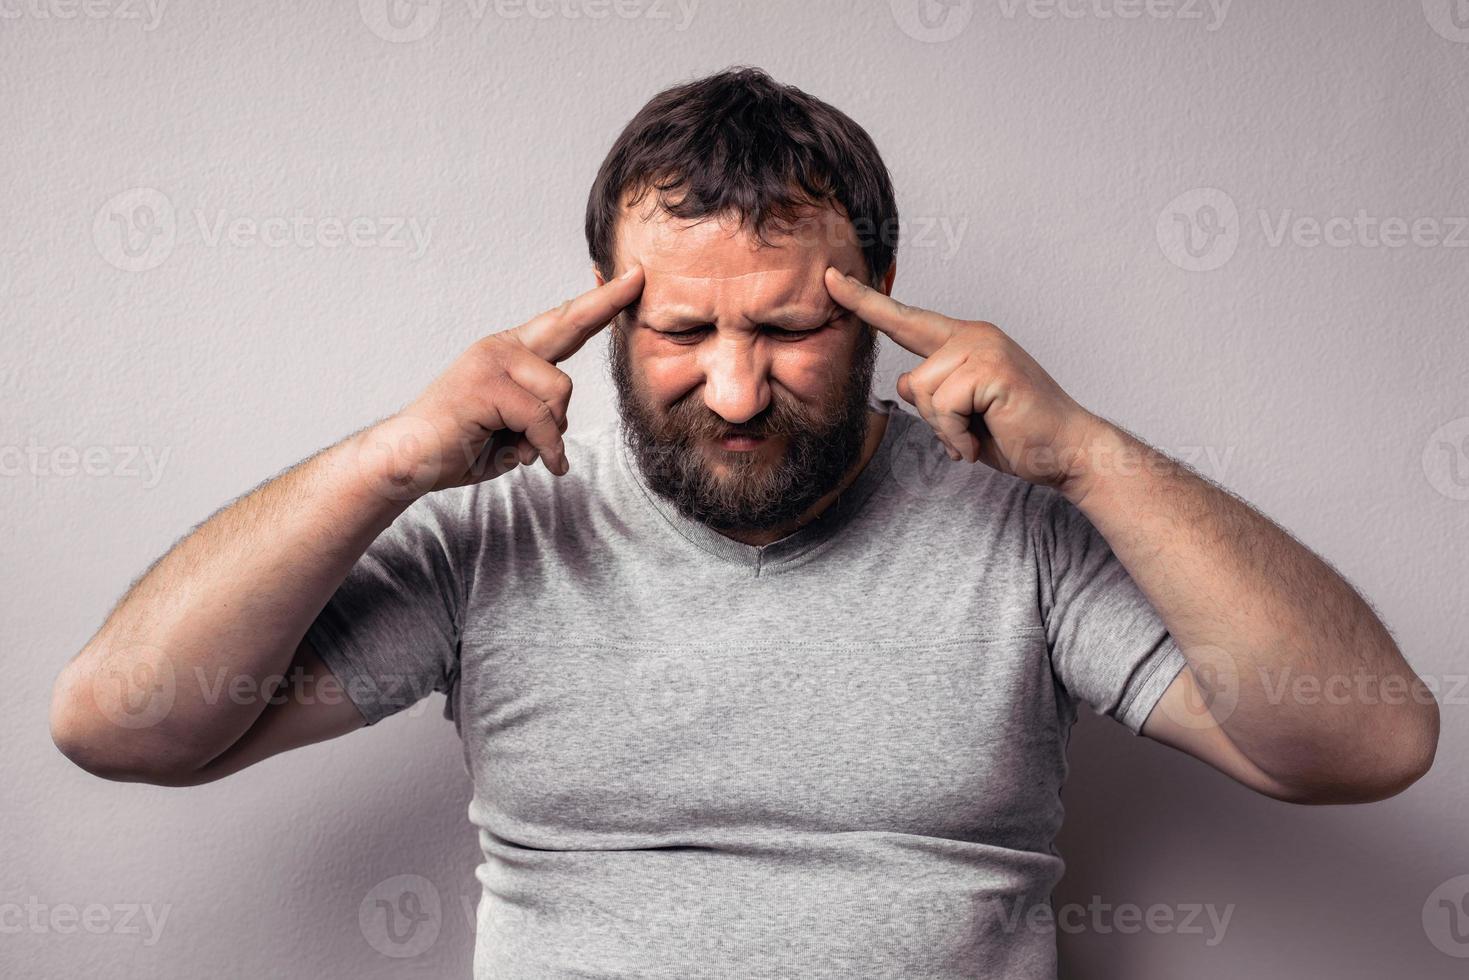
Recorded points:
(768, 677)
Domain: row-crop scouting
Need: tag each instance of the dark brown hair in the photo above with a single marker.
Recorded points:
(740, 143)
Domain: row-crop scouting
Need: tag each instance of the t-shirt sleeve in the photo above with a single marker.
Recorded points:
(390, 632)
(1109, 647)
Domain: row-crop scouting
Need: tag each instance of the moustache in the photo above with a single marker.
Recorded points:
(691, 421)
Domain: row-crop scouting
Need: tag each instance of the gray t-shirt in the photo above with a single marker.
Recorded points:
(838, 755)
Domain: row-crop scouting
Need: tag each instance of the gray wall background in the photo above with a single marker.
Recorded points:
(1047, 165)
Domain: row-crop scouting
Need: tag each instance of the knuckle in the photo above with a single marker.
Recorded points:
(944, 401)
(491, 352)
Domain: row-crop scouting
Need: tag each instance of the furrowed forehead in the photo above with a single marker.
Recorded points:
(779, 297)
(723, 247)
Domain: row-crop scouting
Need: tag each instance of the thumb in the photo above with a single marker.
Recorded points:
(905, 389)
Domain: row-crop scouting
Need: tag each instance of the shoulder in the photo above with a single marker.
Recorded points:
(534, 498)
(932, 487)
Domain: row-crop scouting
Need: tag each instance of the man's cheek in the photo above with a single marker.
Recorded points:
(667, 373)
(813, 368)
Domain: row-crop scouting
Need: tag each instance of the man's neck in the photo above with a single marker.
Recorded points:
(876, 426)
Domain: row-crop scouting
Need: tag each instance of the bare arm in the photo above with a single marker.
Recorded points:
(173, 686)
(186, 661)
(1295, 687)
(1306, 696)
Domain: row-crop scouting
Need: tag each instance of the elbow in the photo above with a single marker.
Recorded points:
(84, 733)
(1380, 771)
(1418, 750)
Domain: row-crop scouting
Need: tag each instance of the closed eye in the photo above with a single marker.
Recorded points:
(785, 333)
(684, 336)
(694, 334)
(781, 333)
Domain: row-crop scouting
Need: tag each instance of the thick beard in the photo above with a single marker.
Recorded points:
(751, 496)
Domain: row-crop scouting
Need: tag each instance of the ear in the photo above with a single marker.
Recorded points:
(597, 273)
(887, 280)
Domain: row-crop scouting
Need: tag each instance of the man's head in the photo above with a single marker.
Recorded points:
(734, 194)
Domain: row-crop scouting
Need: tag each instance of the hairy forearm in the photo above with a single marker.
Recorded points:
(1301, 674)
(184, 664)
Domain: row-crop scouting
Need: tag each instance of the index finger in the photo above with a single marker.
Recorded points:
(557, 334)
(918, 330)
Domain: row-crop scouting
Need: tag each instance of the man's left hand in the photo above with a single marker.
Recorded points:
(987, 399)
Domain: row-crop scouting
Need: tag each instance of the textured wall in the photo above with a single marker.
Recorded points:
(1049, 160)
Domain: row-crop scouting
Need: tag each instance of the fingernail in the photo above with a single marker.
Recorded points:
(629, 273)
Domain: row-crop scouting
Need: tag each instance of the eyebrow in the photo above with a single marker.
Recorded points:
(786, 317)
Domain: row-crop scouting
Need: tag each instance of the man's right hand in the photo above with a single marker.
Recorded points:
(217, 605)
(501, 404)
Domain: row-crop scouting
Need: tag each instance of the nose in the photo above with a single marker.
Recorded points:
(736, 378)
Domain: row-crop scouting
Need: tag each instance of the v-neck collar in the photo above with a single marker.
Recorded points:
(760, 559)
